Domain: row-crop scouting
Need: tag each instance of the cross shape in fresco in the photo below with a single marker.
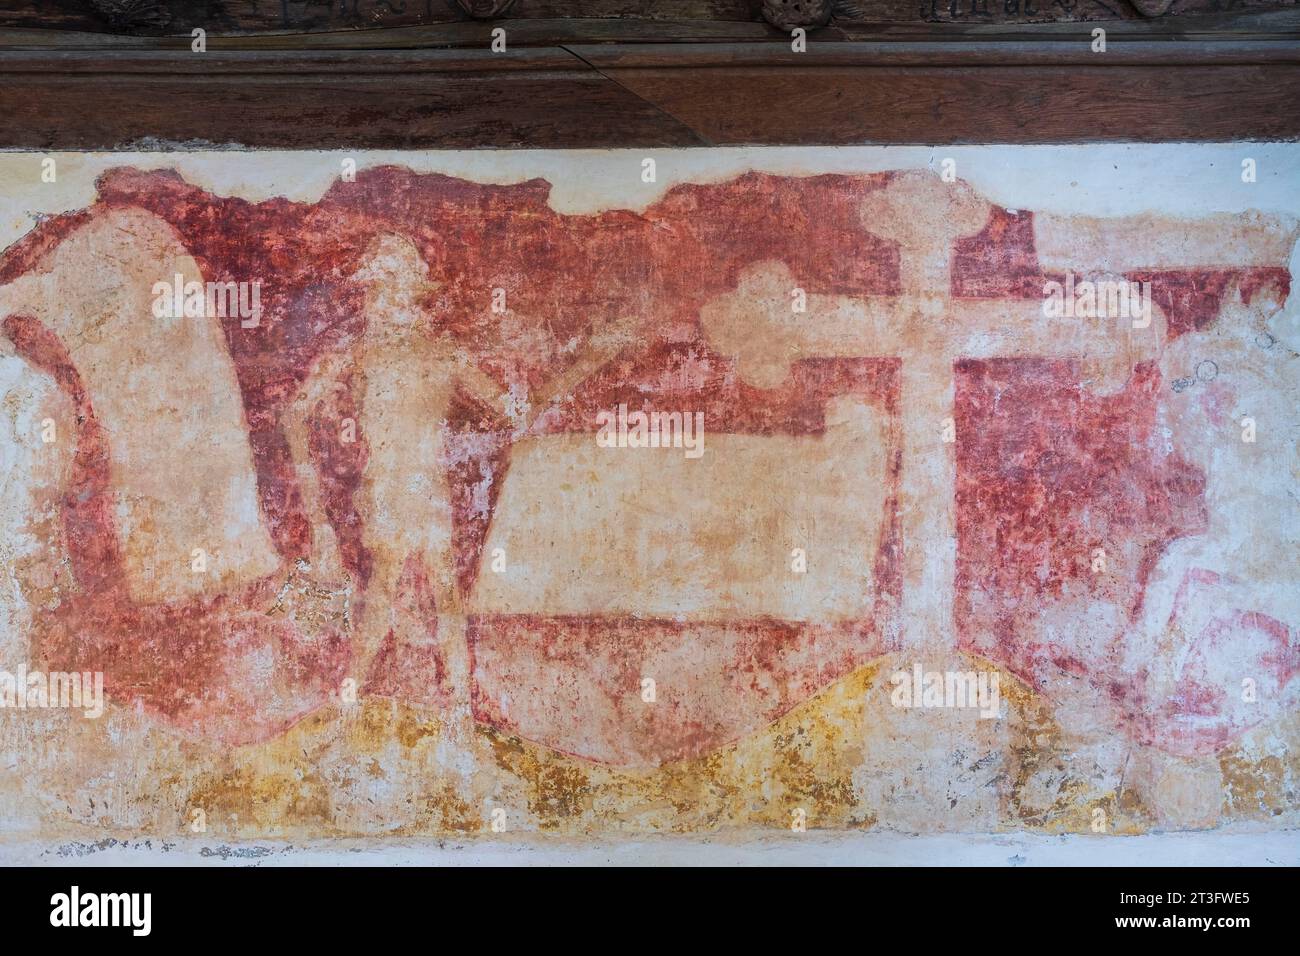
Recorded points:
(929, 329)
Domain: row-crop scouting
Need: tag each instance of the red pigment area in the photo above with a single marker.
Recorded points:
(218, 667)
(94, 550)
(1206, 710)
(743, 676)
(561, 273)
(1046, 472)
(688, 376)
(1000, 262)
(414, 668)
(1192, 299)
(339, 465)
(302, 255)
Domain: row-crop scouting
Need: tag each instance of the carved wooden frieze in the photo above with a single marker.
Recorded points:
(134, 14)
(485, 9)
(629, 20)
(790, 14)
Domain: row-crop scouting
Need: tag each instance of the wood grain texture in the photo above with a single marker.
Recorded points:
(53, 33)
(1029, 104)
(537, 99)
(615, 82)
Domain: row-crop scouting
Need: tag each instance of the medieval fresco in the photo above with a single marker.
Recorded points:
(650, 496)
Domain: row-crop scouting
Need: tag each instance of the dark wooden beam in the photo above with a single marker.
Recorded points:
(936, 104)
(540, 31)
(575, 84)
(447, 99)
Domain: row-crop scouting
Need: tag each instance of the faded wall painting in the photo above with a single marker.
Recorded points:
(825, 491)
